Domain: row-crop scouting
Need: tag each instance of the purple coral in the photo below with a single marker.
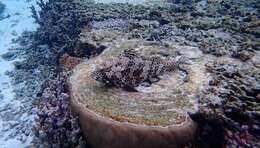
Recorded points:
(56, 126)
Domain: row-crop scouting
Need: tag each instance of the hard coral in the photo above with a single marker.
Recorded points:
(56, 126)
(115, 118)
(130, 69)
(60, 25)
(232, 100)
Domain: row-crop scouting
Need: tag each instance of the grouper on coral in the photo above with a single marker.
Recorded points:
(151, 117)
(131, 69)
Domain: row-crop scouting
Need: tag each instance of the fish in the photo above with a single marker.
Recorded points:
(130, 69)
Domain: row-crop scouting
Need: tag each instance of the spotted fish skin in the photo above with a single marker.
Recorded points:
(130, 69)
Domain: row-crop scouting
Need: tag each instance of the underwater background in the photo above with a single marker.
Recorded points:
(42, 41)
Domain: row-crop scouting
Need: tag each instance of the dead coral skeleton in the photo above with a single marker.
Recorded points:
(131, 69)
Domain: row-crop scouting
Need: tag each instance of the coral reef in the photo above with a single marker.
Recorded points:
(220, 28)
(60, 23)
(173, 22)
(232, 100)
(130, 69)
(40, 61)
(42, 55)
(56, 127)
